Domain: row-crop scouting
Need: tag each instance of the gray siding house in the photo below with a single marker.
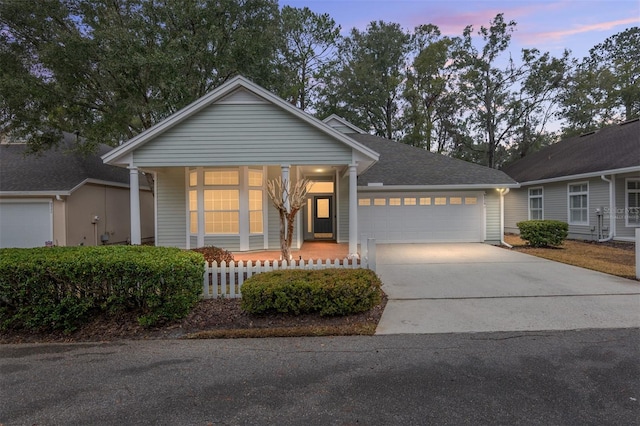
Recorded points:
(591, 181)
(63, 198)
(212, 159)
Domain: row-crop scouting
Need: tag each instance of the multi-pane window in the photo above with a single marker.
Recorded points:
(633, 202)
(394, 201)
(440, 201)
(579, 203)
(364, 202)
(410, 201)
(214, 198)
(535, 204)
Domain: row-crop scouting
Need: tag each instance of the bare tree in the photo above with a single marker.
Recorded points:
(288, 201)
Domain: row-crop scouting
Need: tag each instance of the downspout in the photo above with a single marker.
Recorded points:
(503, 192)
(612, 209)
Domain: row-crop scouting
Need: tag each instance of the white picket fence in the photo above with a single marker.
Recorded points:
(225, 280)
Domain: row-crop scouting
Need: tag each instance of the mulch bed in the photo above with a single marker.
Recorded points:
(213, 318)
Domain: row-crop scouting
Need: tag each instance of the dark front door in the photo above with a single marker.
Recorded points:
(322, 217)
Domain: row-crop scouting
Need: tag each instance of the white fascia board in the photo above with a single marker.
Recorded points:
(344, 122)
(33, 193)
(217, 94)
(105, 183)
(378, 188)
(582, 176)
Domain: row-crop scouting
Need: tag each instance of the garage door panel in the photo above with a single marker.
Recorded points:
(25, 224)
(424, 223)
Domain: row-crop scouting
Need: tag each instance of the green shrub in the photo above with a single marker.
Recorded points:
(298, 291)
(543, 233)
(62, 287)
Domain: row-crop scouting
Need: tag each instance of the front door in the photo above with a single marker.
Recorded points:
(322, 217)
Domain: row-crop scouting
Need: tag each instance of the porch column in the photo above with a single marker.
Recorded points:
(353, 212)
(134, 198)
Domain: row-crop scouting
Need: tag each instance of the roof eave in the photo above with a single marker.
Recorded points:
(582, 176)
(436, 187)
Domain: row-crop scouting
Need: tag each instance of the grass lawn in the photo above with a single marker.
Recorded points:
(611, 258)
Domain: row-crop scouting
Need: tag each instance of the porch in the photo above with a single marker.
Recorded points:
(310, 250)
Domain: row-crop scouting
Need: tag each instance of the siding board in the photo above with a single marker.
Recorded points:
(172, 223)
(260, 134)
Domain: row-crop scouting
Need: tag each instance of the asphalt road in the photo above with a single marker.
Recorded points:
(538, 378)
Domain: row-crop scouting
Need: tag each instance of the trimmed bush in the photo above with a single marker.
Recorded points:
(63, 287)
(331, 291)
(543, 233)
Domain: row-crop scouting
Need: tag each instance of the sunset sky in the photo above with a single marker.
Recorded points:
(549, 25)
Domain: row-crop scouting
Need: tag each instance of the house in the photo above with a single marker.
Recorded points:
(591, 181)
(212, 159)
(63, 198)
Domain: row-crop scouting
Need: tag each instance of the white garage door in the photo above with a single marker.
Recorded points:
(446, 217)
(25, 224)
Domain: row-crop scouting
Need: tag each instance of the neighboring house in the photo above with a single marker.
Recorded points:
(63, 198)
(212, 159)
(591, 181)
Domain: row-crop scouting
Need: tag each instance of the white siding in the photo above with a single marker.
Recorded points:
(227, 134)
(515, 209)
(622, 230)
(492, 211)
(171, 202)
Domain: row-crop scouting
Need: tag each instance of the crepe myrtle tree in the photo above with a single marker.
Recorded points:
(288, 199)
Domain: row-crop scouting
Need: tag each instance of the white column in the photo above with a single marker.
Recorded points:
(353, 211)
(134, 197)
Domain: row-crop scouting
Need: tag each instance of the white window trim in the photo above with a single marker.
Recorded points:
(529, 197)
(626, 202)
(570, 194)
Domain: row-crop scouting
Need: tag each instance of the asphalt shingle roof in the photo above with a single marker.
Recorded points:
(402, 164)
(610, 148)
(57, 169)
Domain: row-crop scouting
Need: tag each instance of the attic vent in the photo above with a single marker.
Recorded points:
(633, 120)
(588, 133)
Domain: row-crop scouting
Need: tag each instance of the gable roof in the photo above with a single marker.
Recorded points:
(119, 155)
(613, 149)
(404, 165)
(57, 171)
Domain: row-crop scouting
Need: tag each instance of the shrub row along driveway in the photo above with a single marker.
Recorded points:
(450, 288)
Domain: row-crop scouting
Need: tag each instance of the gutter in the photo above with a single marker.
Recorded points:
(503, 192)
(612, 209)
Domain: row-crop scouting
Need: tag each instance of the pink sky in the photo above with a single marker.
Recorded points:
(549, 25)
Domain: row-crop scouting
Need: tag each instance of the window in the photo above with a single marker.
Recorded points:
(633, 202)
(455, 200)
(425, 201)
(440, 201)
(410, 201)
(579, 203)
(535, 204)
(470, 200)
(394, 201)
(255, 201)
(215, 196)
(364, 202)
(379, 201)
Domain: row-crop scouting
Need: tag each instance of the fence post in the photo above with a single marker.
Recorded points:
(638, 253)
(371, 252)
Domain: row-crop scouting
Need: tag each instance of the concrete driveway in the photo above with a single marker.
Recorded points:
(451, 288)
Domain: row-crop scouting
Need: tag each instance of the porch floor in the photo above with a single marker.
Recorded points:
(310, 250)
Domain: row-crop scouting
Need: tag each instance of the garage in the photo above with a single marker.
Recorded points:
(422, 218)
(25, 223)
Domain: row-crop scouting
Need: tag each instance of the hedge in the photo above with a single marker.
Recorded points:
(63, 287)
(543, 233)
(330, 291)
